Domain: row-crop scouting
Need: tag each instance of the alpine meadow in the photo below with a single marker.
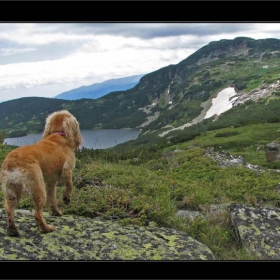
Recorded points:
(207, 178)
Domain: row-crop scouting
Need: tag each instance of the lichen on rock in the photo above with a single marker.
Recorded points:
(80, 238)
(257, 229)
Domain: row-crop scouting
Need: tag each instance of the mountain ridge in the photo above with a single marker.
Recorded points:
(167, 98)
(200, 179)
(98, 90)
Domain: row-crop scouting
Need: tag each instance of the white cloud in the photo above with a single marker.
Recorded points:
(37, 55)
(13, 51)
(38, 34)
(115, 60)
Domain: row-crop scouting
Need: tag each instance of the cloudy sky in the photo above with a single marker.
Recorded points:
(46, 59)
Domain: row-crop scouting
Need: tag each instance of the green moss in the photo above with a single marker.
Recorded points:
(147, 246)
(109, 235)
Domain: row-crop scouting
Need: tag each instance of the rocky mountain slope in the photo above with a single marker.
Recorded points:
(211, 177)
(169, 98)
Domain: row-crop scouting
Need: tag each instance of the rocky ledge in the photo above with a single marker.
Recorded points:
(80, 238)
(257, 229)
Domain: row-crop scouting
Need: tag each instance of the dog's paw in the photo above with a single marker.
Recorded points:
(13, 232)
(66, 200)
(56, 213)
(47, 228)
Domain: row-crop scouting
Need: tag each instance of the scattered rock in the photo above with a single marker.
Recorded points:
(225, 159)
(278, 188)
(218, 209)
(263, 91)
(189, 214)
(82, 182)
(272, 151)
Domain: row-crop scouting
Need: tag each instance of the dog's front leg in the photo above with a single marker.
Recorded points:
(51, 199)
(66, 177)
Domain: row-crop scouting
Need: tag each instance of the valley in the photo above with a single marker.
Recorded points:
(206, 125)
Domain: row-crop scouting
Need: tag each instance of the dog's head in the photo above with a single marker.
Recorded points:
(64, 123)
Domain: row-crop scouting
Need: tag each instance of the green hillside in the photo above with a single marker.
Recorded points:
(149, 183)
(148, 180)
(244, 63)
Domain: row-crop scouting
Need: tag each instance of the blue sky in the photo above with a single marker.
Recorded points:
(46, 59)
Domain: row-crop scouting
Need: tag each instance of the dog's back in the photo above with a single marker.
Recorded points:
(50, 154)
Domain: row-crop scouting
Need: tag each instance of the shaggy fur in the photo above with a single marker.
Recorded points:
(38, 167)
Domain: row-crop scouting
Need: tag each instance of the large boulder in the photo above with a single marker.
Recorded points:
(272, 151)
(257, 229)
(80, 238)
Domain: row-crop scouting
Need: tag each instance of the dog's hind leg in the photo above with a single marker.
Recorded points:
(51, 199)
(11, 201)
(37, 187)
(40, 200)
(12, 188)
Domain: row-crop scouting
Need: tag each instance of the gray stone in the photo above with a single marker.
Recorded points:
(272, 151)
(189, 214)
(225, 159)
(257, 229)
(80, 238)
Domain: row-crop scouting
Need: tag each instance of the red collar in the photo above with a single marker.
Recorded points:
(59, 133)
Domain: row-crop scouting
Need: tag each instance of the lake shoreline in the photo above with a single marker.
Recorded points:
(92, 138)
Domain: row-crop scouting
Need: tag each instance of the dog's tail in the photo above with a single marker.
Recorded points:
(13, 183)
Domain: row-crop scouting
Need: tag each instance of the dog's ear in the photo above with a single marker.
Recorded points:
(47, 128)
(72, 130)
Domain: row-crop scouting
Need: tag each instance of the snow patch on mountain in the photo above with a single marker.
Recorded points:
(222, 103)
(225, 100)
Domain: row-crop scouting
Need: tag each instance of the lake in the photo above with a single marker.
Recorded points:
(92, 139)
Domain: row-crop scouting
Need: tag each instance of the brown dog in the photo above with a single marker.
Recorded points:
(37, 168)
